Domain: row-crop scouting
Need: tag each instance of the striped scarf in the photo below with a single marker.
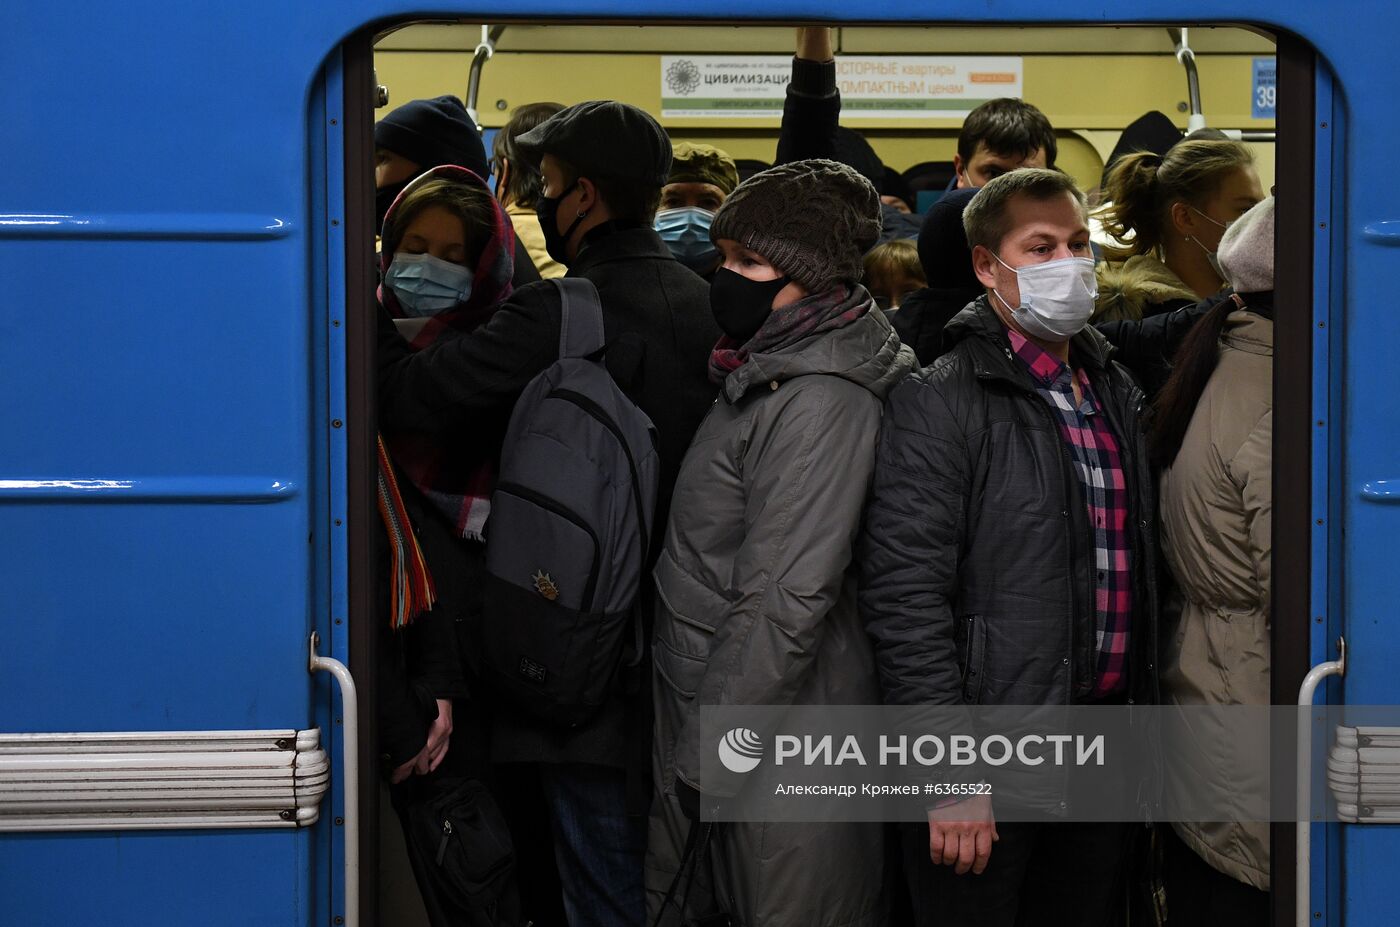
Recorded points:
(461, 491)
(410, 584)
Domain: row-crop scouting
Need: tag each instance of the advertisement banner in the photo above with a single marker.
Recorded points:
(872, 86)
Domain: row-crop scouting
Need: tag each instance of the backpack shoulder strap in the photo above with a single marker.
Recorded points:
(580, 317)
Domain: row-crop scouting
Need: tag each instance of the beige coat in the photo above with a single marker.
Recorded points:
(527, 229)
(1216, 511)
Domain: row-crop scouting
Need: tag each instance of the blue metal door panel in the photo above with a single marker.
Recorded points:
(162, 345)
(173, 616)
(160, 479)
(225, 879)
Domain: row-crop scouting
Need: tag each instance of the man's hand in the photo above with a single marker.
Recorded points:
(814, 43)
(962, 835)
(434, 751)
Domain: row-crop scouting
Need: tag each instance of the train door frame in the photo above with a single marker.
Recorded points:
(1295, 348)
(357, 64)
(1302, 539)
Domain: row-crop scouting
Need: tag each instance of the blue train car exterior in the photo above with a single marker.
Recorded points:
(174, 479)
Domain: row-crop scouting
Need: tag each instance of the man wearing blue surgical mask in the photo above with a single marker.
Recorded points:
(1009, 552)
(702, 176)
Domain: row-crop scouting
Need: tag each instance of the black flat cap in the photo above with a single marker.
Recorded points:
(602, 138)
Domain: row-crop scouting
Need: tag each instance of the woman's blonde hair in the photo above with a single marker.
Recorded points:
(900, 256)
(1143, 186)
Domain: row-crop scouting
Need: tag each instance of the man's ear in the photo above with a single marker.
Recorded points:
(984, 266)
(587, 196)
(502, 177)
(958, 170)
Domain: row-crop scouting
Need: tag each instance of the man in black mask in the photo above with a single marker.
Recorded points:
(424, 134)
(603, 165)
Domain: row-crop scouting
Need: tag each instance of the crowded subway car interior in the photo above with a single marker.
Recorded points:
(658, 308)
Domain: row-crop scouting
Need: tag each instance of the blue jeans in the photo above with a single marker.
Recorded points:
(598, 845)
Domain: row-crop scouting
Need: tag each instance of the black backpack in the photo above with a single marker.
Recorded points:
(567, 538)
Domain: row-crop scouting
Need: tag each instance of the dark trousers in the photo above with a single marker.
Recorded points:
(598, 845)
(1199, 895)
(1039, 875)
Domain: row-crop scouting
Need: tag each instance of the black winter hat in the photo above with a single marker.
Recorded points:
(813, 220)
(854, 151)
(602, 138)
(432, 133)
(943, 250)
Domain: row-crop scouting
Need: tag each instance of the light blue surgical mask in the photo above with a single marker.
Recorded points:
(686, 232)
(426, 285)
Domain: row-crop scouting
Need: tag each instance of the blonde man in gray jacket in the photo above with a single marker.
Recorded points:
(753, 602)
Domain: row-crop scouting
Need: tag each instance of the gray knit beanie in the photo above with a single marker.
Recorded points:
(1246, 251)
(813, 220)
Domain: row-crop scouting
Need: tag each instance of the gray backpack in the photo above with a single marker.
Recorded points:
(567, 540)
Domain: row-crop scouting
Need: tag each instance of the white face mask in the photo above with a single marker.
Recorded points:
(1210, 255)
(1057, 297)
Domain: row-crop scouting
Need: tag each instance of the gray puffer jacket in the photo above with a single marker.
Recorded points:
(755, 608)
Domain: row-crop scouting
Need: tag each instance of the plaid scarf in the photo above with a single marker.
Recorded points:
(462, 492)
(822, 312)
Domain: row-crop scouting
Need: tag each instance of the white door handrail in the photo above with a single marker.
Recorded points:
(350, 766)
(1303, 851)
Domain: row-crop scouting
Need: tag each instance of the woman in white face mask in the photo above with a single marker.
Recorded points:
(1166, 215)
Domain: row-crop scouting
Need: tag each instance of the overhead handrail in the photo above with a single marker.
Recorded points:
(484, 50)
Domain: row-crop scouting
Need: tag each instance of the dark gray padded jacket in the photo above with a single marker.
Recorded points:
(977, 558)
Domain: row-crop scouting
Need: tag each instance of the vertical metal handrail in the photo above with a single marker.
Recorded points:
(1303, 851)
(1187, 57)
(350, 774)
(484, 50)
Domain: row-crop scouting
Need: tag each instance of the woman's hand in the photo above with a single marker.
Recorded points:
(434, 751)
(439, 735)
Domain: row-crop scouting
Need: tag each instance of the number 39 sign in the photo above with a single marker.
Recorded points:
(1265, 88)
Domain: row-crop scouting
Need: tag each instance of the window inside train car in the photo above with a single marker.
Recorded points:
(716, 202)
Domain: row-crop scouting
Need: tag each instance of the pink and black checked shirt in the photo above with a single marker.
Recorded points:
(1097, 463)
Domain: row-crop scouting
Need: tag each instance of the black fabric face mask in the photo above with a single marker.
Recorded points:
(741, 305)
(384, 198)
(547, 209)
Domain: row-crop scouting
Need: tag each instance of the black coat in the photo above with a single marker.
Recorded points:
(465, 386)
(977, 547)
(421, 663)
(922, 316)
(1147, 346)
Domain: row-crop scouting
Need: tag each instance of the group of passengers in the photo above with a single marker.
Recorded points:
(855, 495)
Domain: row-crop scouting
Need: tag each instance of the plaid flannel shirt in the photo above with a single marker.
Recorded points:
(1097, 463)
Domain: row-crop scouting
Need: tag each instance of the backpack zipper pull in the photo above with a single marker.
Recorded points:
(446, 836)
